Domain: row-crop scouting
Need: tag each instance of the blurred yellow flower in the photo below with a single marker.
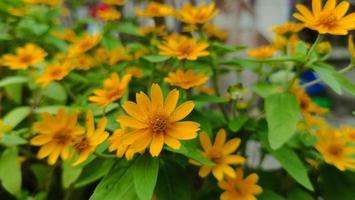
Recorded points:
(240, 188)
(221, 153)
(215, 32)
(101, 55)
(331, 19)
(279, 42)
(83, 62)
(205, 90)
(159, 31)
(183, 47)
(25, 56)
(4, 128)
(134, 71)
(109, 14)
(139, 53)
(55, 135)
(117, 143)
(262, 52)
(18, 12)
(155, 9)
(67, 34)
(154, 122)
(287, 28)
(86, 144)
(349, 133)
(118, 54)
(351, 47)
(336, 150)
(186, 79)
(84, 44)
(54, 72)
(324, 48)
(114, 2)
(53, 3)
(190, 14)
(113, 89)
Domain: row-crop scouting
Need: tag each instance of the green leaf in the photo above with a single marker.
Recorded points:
(346, 84)
(13, 80)
(329, 76)
(50, 109)
(293, 165)
(55, 91)
(301, 49)
(155, 58)
(270, 195)
(10, 171)
(12, 140)
(282, 115)
(117, 184)
(14, 92)
(237, 123)
(173, 183)
(190, 150)
(299, 194)
(70, 174)
(209, 98)
(15, 116)
(145, 175)
(265, 90)
(128, 28)
(95, 170)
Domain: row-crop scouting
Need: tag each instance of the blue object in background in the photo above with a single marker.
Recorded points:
(315, 89)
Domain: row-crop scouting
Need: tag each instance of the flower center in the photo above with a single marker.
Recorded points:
(81, 144)
(216, 156)
(56, 72)
(154, 9)
(159, 124)
(62, 138)
(329, 20)
(85, 45)
(185, 49)
(26, 58)
(335, 150)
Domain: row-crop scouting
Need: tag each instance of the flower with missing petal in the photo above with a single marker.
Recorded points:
(221, 154)
(183, 47)
(192, 15)
(113, 89)
(331, 18)
(240, 188)
(25, 56)
(186, 79)
(55, 135)
(86, 144)
(153, 122)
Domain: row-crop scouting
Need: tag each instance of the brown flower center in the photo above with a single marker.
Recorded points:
(158, 124)
(329, 20)
(81, 144)
(26, 58)
(62, 137)
(335, 150)
(185, 49)
(216, 156)
(56, 72)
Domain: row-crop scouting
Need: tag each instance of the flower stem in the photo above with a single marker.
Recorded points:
(101, 155)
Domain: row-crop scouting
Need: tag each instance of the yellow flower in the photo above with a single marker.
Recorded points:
(221, 153)
(159, 31)
(279, 42)
(139, 53)
(55, 135)
(134, 71)
(215, 32)
(239, 188)
(349, 133)
(287, 28)
(18, 12)
(67, 34)
(155, 9)
(262, 52)
(101, 55)
(186, 79)
(196, 15)
(110, 14)
(351, 47)
(52, 3)
(115, 2)
(54, 72)
(4, 128)
(118, 54)
(81, 45)
(117, 143)
(183, 47)
(335, 149)
(205, 90)
(83, 62)
(86, 144)
(114, 88)
(25, 56)
(154, 122)
(324, 48)
(329, 19)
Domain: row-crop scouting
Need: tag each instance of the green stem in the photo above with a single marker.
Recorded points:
(101, 155)
(318, 39)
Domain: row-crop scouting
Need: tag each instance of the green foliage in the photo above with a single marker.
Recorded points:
(10, 171)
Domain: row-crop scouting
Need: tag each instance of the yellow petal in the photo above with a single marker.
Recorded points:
(231, 146)
(234, 159)
(218, 172)
(204, 171)
(229, 171)
(172, 142)
(157, 97)
(316, 7)
(41, 139)
(182, 111)
(45, 150)
(134, 110)
(171, 101)
(157, 144)
(220, 138)
(127, 121)
(205, 141)
(53, 157)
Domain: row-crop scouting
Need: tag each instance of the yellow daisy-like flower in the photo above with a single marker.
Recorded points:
(336, 150)
(183, 47)
(118, 54)
(159, 31)
(155, 9)
(262, 52)
(287, 28)
(67, 34)
(55, 72)
(349, 133)
(86, 144)
(25, 56)
(56, 134)
(186, 79)
(114, 88)
(192, 15)
(154, 122)
(351, 47)
(115, 2)
(215, 32)
(240, 188)
(205, 90)
(110, 14)
(221, 153)
(279, 42)
(84, 44)
(134, 71)
(329, 19)
(83, 62)
(117, 143)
